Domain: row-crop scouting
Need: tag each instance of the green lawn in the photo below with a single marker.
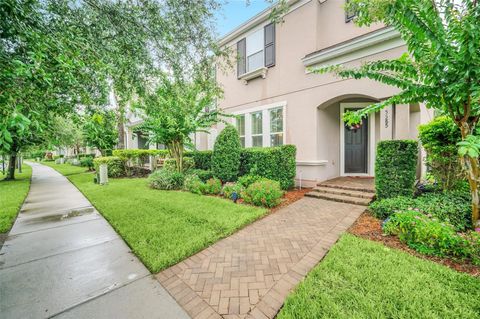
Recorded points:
(162, 227)
(12, 195)
(66, 169)
(362, 279)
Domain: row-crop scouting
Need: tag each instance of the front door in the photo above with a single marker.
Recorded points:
(356, 149)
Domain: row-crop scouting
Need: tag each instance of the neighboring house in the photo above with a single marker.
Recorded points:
(277, 101)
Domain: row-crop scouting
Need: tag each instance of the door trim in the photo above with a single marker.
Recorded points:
(370, 139)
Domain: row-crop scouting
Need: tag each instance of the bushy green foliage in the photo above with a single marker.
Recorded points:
(100, 130)
(229, 188)
(265, 193)
(439, 138)
(226, 154)
(275, 163)
(166, 179)
(395, 168)
(116, 166)
(247, 180)
(431, 236)
(202, 159)
(87, 161)
(452, 207)
(213, 186)
(204, 175)
(194, 184)
(140, 154)
(171, 163)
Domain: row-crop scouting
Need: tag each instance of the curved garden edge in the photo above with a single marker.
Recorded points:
(369, 227)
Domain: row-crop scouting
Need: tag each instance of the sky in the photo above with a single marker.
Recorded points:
(235, 12)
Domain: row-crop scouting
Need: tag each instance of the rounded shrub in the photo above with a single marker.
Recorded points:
(265, 193)
(229, 188)
(115, 165)
(226, 155)
(166, 179)
(194, 184)
(213, 186)
(247, 180)
(396, 168)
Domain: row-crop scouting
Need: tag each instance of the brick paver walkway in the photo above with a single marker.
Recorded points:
(249, 274)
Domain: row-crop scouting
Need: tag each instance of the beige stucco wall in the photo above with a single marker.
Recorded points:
(313, 101)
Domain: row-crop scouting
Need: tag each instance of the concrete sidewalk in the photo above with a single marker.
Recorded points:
(63, 260)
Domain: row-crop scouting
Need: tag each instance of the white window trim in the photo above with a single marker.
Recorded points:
(265, 109)
(370, 143)
(244, 129)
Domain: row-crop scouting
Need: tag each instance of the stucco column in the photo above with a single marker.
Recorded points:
(386, 123)
(402, 122)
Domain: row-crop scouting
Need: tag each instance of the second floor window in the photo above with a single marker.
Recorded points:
(257, 50)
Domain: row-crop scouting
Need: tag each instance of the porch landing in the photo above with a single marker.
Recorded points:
(352, 190)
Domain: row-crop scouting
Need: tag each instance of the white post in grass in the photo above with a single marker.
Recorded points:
(103, 174)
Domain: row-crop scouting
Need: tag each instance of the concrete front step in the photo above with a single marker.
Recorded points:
(340, 198)
(343, 192)
(351, 188)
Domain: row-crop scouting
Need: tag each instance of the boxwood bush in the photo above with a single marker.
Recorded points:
(166, 179)
(115, 165)
(265, 193)
(452, 207)
(275, 163)
(226, 155)
(396, 168)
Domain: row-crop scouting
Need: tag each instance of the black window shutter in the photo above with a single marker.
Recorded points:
(269, 39)
(241, 52)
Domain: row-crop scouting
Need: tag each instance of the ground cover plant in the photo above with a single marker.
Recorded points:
(360, 279)
(12, 195)
(163, 227)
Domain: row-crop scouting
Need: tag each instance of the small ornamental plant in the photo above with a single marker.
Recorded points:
(213, 186)
(265, 193)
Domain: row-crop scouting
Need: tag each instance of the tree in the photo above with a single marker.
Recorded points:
(442, 67)
(46, 68)
(64, 132)
(100, 130)
(176, 110)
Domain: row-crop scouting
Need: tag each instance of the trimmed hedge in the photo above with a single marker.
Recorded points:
(171, 164)
(226, 155)
(116, 166)
(275, 163)
(396, 168)
(202, 159)
(141, 154)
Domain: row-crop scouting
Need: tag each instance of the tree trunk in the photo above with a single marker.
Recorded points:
(471, 166)
(176, 151)
(11, 166)
(120, 122)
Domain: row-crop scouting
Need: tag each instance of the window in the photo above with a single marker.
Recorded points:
(257, 130)
(262, 126)
(254, 51)
(241, 128)
(257, 50)
(276, 127)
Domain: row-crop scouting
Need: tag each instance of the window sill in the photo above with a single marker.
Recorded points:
(260, 72)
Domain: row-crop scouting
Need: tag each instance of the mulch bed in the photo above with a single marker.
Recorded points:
(291, 196)
(369, 227)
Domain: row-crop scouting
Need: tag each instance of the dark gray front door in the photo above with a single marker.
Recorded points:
(356, 148)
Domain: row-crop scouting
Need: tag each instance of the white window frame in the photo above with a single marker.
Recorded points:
(270, 124)
(265, 109)
(262, 46)
(244, 128)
